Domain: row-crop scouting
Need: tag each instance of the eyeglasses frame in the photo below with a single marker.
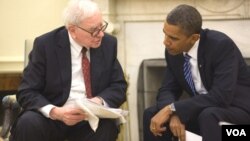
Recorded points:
(96, 32)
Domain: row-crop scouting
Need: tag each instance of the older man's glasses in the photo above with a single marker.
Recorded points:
(96, 32)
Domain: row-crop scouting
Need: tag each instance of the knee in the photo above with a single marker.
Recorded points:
(108, 124)
(30, 125)
(29, 120)
(149, 113)
(211, 113)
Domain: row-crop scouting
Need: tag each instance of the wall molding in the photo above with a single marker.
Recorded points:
(11, 64)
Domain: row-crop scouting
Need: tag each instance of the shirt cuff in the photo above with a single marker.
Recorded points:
(45, 110)
(172, 107)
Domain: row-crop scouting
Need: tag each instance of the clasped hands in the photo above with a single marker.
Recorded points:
(163, 116)
(70, 115)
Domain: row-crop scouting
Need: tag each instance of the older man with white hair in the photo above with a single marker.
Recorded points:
(72, 62)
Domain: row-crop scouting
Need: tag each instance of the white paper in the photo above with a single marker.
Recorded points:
(192, 136)
(225, 123)
(96, 111)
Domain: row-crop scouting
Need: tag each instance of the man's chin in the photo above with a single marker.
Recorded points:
(95, 46)
(173, 53)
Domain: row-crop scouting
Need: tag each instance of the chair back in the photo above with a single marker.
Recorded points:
(27, 48)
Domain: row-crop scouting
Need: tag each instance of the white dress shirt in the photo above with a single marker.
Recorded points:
(193, 52)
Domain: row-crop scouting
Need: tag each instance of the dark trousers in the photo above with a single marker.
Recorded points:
(33, 126)
(206, 123)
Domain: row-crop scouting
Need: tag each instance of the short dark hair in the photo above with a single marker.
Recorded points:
(187, 18)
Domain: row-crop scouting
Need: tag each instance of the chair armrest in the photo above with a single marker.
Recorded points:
(11, 108)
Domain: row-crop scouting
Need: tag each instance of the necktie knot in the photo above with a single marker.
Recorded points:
(84, 50)
(187, 57)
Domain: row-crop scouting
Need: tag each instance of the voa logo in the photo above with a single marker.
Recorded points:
(236, 132)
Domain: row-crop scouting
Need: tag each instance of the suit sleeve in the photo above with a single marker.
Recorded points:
(170, 90)
(114, 85)
(29, 94)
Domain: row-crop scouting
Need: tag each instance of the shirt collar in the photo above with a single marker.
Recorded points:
(75, 46)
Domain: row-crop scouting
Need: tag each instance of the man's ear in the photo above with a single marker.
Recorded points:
(72, 30)
(194, 38)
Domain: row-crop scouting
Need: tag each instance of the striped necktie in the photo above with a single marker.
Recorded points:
(86, 72)
(187, 73)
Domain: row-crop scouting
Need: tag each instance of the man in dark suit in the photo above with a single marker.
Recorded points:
(54, 78)
(218, 81)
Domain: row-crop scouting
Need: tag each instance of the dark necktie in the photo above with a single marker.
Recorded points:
(86, 72)
(187, 72)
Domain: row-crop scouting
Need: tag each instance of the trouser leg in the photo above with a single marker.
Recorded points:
(107, 131)
(209, 121)
(33, 126)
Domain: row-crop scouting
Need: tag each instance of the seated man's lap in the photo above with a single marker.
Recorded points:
(33, 124)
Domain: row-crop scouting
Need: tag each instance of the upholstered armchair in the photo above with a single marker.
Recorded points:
(11, 110)
(9, 103)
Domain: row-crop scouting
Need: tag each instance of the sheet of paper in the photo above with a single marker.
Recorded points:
(192, 136)
(225, 123)
(104, 112)
(96, 111)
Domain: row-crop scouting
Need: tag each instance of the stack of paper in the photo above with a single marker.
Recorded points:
(96, 111)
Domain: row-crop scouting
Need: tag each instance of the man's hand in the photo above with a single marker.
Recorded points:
(157, 122)
(177, 128)
(70, 116)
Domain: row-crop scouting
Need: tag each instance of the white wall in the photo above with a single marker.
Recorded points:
(238, 30)
(24, 19)
(143, 41)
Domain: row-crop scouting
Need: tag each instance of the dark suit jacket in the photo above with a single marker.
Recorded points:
(223, 71)
(47, 78)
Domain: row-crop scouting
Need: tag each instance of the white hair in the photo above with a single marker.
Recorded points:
(78, 10)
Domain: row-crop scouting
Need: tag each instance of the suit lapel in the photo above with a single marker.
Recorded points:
(97, 65)
(201, 59)
(64, 58)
